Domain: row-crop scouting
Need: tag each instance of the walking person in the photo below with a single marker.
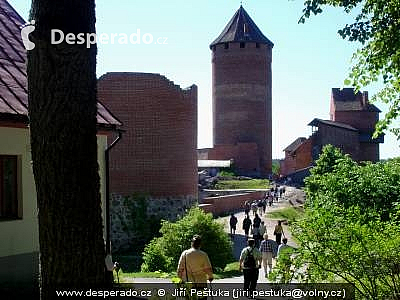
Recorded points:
(246, 226)
(232, 222)
(260, 207)
(250, 262)
(247, 207)
(194, 265)
(268, 249)
(256, 221)
(278, 231)
(264, 205)
(262, 230)
(254, 208)
(270, 200)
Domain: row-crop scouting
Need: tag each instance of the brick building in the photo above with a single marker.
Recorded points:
(350, 128)
(156, 156)
(242, 79)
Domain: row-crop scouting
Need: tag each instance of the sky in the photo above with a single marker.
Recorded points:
(308, 60)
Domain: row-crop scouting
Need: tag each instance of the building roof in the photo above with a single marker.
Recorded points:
(316, 122)
(208, 163)
(293, 146)
(241, 28)
(13, 74)
(347, 100)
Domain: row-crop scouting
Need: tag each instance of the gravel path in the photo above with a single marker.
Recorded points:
(239, 239)
(292, 197)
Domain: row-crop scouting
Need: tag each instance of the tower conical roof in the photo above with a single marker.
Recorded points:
(241, 28)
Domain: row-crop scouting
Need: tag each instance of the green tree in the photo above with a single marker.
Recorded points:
(162, 253)
(350, 229)
(276, 167)
(376, 27)
(62, 112)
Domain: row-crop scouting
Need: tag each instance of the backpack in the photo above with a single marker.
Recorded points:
(249, 261)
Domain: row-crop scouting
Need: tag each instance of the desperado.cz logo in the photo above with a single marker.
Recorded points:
(57, 37)
(26, 30)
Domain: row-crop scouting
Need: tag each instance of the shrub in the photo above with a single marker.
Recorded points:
(349, 232)
(162, 253)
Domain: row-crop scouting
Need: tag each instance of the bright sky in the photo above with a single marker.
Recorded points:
(308, 59)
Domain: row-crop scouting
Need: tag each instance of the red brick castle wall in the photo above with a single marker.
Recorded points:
(157, 153)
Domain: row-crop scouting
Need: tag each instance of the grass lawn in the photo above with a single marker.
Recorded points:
(289, 213)
(242, 184)
(231, 270)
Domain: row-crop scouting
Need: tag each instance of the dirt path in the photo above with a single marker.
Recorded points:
(239, 240)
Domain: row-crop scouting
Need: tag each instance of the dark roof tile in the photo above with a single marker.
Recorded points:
(316, 122)
(347, 100)
(293, 146)
(13, 77)
(241, 28)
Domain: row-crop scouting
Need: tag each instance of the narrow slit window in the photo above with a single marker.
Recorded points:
(9, 204)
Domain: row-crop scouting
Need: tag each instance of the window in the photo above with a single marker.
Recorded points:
(242, 45)
(9, 204)
(257, 45)
(226, 45)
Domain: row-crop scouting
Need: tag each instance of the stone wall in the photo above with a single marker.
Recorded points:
(229, 203)
(133, 218)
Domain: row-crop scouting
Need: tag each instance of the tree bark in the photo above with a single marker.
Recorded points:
(62, 111)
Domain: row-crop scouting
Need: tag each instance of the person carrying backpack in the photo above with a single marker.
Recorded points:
(250, 262)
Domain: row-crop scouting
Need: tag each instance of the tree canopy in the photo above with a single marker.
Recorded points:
(376, 27)
(350, 229)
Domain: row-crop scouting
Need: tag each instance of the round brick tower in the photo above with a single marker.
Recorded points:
(242, 79)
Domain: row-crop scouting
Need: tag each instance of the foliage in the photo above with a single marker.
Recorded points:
(372, 187)
(230, 270)
(127, 277)
(349, 232)
(289, 213)
(337, 246)
(124, 276)
(227, 173)
(376, 26)
(276, 167)
(285, 272)
(330, 157)
(139, 225)
(162, 253)
(242, 184)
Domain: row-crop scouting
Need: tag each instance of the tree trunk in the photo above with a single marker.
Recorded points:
(62, 111)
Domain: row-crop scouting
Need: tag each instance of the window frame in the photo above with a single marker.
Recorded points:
(15, 212)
